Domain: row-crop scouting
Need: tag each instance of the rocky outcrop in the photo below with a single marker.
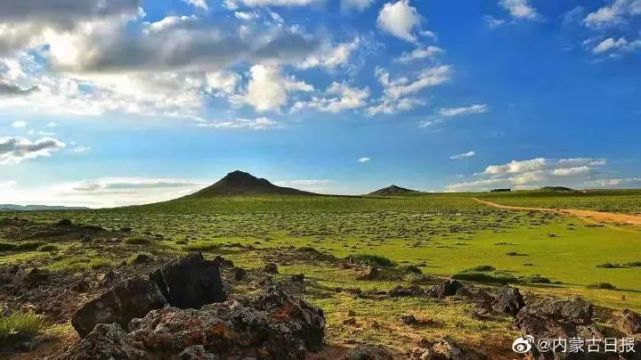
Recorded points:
(444, 349)
(508, 301)
(190, 282)
(369, 352)
(273, 325)
(131, 299)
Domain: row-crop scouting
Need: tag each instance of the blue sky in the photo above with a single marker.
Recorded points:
(129, 101)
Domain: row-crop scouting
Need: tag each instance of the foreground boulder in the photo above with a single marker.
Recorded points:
(105, 342)
(369, 352)
(131, 299)
(444, 289)
(508, 301)
(273, 325)
(444, 349)
(190, 282)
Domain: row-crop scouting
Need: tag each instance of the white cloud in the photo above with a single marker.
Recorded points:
(403, 86)
(464, 155)
(268, 89)
(519, 9)
(202, 4)
(615, 183)
(19, 124)
(463, 111)
(261, 123)
(246, 15)
(13, 150)
(331, 57)
(364, 160)
(337, 98)
(428, 52)
(79, 149)
(224, 82)
(493, 22)
(613, 45)
(400, 19)
(535, 173)
(102, 192)
(234, 4)
(614, 14)
(359, 5)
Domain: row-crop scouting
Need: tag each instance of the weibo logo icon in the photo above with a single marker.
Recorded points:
(523, 345)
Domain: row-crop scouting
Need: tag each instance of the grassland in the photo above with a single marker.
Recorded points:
(618, 201)
(442, 235)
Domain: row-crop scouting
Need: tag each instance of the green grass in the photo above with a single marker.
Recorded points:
(370, 260)
(28, 323)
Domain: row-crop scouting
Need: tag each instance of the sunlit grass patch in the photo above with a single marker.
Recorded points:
(20, 322)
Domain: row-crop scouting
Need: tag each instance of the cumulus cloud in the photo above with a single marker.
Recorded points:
(519, 9)
(464, 155)
(400, 19)
(428, 52)
(611, 45)
(268, 88)
(337, 98)
(202, 4)
(14, 150)
(616, 13)
(364, 160)
(403, 86)
(8, 89)
(533, 173)
(19, 124)
(261, 123)
(222, 82)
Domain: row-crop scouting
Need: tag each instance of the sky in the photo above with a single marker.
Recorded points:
(118, 102)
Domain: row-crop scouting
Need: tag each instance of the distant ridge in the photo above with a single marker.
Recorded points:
(11, 207)
(393, 190)
(242, 183)
(557, 189)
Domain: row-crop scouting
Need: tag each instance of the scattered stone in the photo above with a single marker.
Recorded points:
(400, 291)
(224, 263)
(410, 320)
(17, 342)
(271, 268)
(445, 289)
(369, 352)
(142, 258)
(64, 222)
(107, 279)
(351, 321)
(351, 313)
(508, 301)
(190, 282)
(298, 278)
(239, 274)
(37, 276)
(131, 299)
(373, 273)
(81, 286)
(447, 350)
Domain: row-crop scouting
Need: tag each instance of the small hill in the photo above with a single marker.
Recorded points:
(557, 189)
(242, 183)
(393, 190)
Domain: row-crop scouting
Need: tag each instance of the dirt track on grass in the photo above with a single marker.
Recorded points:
(595, 216)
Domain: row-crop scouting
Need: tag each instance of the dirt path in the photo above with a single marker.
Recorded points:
(595, 216)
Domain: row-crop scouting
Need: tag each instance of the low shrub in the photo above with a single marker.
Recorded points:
(610, 266)
(478, 276)
(370, 260)
(100, 263)
(137, 240)
(48, 248)
(202, 246)
(482, 268)
(602, 285)
(536, 279)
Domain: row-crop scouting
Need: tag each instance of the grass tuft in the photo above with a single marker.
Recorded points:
(28, 323)
(370, 260)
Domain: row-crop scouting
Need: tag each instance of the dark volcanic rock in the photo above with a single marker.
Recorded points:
(130, 299)
(239, 274)
(271, 268)
(400, 291)
(273, 325)
(190, 282)
(447, 350)
(576, 311)
(105, 342)
(369, 352)
(445, 289)
(508, 301)
(36, 276)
